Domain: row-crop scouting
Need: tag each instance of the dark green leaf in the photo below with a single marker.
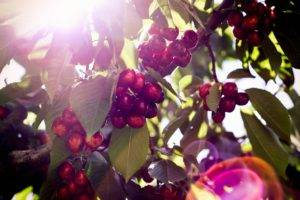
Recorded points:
(208, 4)
(214, 97)
(271, 53)
(265, 143)
(273, 112)
(128, 150)
(91, 102)
(295, 114)
(240, 73)
(167, 171)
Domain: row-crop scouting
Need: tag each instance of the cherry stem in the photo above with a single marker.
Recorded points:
(213, 61)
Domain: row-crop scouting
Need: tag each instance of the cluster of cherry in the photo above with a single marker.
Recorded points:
(163, 52)
(73, 184)
(252, 21)
(70, 129)
(135, 100)
(230, 98)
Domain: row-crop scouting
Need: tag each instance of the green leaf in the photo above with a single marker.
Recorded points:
(167, 171)
(188, 81)
(273, 112)
(179, 14)
(102, 178)
(91, 102)
(271, 53)
(166, 10)
(295, 114)
(128, 54)
(128, 150)
(214, 97)
(265, 143)
(240, 73)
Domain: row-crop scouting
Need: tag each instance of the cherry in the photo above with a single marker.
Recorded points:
(242, 98)
(140, 107)
(165, 58)
(144, 51)
(126, 78)
(239, 33)
(161, 98)
(84, 197)
(261, 9)
(75, 142)
(157, 43)
(190, 39)
(66, 171)
(59, 127)
(81, 179)
(118, 120)
(139, 82)
(176, 48)
(72, 187)
(250, 6)
(254, 38)
(43, 137)
(63, 193)
(218, 116)
(4, 112)
(204, 90)
(154, 29)
(120, 91)
(230, 89)
(152, 92)
(136, 121)
(170, 33)
(151, 111)
(250, 22)
(125, 102)
(95, 141)
(227, 104)
(235, 18)
(182, 60)
(146, 176)
(69, 116)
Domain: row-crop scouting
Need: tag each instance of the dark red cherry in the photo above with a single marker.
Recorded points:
(118, 120)
(250, 22)
(151, 111)
(120, 91)
(261, 9)
(176, 48)
(170, 33)
(144, 51)
(239, 33)
(254, 38)
(69, 116)
(4, 112)
(157, 43)
(182, 60)
(250, 6)
(72, 187)
(66, 171)
(84, 197)
(161, 99)
(139, 82)
(94, 141)
(204, 90)
(230, 89)
(75, 142)
(218, 116)
(154, 29)
(136, 121)
(227, 104)
(165, 58)
(242, 98)
(235, 18)
(190, 39)
(81, 179)
(140, 107)
(59, 127)
(152, 92)
(125, 102)
(126, 78)
(63, 193)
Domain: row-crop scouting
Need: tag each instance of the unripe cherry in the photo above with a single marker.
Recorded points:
(81, 179)
(151, 111)
(126, 78)
(204, 90)
(239, 33)
(218, 116)
(157, 43)
(235, 18)
(242, 98)
(59, 127)
(4, 112)
(152, 92)
(170, 33)
(63, 193)
(75, 142)
(227, 104)
(66, 171)
(254, 38)
(125, 102)
(230, 89)
(140, 107)
(250, 22)
(94, 141)
(136, 121)
(190, 39)
(139, 82)
(118, 120)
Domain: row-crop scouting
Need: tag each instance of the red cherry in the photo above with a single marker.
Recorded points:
(59, 127)
(66, 171)
(125, 102)
(4, 112)
(81, 179)
(140, 107)
(136, 121)
(161, 98)
(239, 33)
(170, 33)
(261, 9)
(144, 51)
(63, 193)
(176, 48)
(182, 60)
(157, 43)
(250, 22)
(152, 92)
(118, 120)
(69, 117)
(95, 141)
(254, 38)
(75, 142)
(235, 18)
(218, 116)
(84, 197)
(72, 187)
(242, 98)
(190, 39)
(103, 57)
(151, 111)
(165, 58)
(120, 91)
(204, 90)
(250, 6)
(126, 78)
(154, 29)
(139, 82)
(230, 89)
(43, 137)
(227, 104)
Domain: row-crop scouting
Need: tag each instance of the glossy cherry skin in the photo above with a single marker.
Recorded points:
(239, 33)
(126, 78)
(152, 92)
(59, 127)
(230, 89)
(140, 107)
(94, 141)
(218, 116)
(125, 102)
(190, 39)
(242, 98)
(118, 120)
(69, 117)
(227, 104)
(250, 22)
(235, 18)
(136, 121)
(80, 178)
(139, 83)
(254, 38)
(75, 142)
(66, 171)
(151, 111)
(63, 193)
(204, 90)
(157, 43)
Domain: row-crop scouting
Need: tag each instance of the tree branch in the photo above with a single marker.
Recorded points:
(213, 61)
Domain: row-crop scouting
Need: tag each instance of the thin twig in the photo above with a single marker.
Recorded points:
(213, 61)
